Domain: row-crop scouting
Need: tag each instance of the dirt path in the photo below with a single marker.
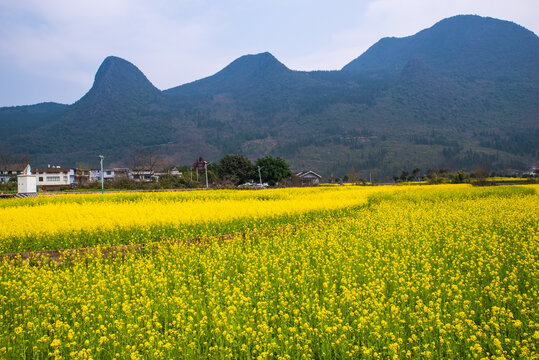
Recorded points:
(60, 256)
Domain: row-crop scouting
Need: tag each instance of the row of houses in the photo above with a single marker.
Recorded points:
(53, 176)
(57, 176)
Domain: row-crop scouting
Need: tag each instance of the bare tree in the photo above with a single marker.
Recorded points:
(142, 159)
(6, 159)
(25, 159)
(154, 161)
(415, 173)
(352, 175)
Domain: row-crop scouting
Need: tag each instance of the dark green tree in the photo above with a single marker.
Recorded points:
(236, 168)
(404, 175)
(273, 169)
(460, 177)
(169, 181)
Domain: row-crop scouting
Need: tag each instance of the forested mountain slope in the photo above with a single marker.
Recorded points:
(462, 94)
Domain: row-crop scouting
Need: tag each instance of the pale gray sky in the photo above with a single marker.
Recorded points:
(50, 50)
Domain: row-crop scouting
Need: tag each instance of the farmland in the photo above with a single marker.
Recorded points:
(448, 271)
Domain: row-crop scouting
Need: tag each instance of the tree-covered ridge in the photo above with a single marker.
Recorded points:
(459, 46)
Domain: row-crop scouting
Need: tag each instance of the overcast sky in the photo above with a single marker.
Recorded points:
(51, 50)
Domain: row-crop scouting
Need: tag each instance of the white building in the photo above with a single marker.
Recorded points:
(174, 172)
(55, 177)
(143, 175)
(110, 174)
(26, 182)
(95, 175)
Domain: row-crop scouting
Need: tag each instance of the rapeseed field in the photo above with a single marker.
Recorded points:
(68, 221)
(423, 272)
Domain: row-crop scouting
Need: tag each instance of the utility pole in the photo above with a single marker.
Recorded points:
(206, 168)
(260, 177)
(102, 186)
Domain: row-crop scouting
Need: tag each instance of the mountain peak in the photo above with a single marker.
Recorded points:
(253, 65)
(116, 72)
(476, 20)
(464, 44)
(246, 71)
(117, 78)
(112, 64)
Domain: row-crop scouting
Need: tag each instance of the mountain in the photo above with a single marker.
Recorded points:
(461, 94)
(257, 83)
(118, 84)
(245, 72)
(16, 117)
(120, 110)
(464, 45)
(116, 77)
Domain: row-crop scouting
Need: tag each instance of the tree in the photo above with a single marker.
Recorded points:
(404, 175)
(169, 181)
(82, 165)
(6, 159)
(236, 169)
(481, 173)
(352, 175)
(434, 178)
(25, 159)
(142, 159)
(273, 169)
(460, 177)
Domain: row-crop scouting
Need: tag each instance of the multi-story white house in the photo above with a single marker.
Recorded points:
(55, 177)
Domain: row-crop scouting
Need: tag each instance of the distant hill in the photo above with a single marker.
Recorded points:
(15, 118)
(120, 110)
(248, 71)
(465, 45)
(461, 94)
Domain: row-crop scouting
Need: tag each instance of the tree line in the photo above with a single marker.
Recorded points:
(443, 175)
(230, 171)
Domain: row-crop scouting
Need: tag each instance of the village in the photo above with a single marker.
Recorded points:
(30, 180)
(26, 181)
(58, 177)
